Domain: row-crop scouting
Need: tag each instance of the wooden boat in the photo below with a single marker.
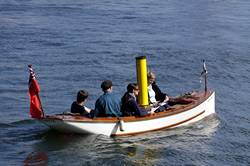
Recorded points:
(202, 106)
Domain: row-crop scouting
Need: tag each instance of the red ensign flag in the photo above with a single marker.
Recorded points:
(36, 110)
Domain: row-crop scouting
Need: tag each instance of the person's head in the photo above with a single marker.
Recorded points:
(151, 77)
(82, 95)
(106, 85)
(133, 88)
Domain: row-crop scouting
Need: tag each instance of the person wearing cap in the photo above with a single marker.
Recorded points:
(107, 105)
(78, 105)
(129, 105)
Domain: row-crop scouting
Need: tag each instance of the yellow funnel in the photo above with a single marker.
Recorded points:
(141, 70)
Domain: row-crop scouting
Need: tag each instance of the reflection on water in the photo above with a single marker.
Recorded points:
(142, 149)
(36, 158)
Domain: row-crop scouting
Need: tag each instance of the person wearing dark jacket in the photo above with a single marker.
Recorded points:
(78, 105)
(155, 94)
(129, 105)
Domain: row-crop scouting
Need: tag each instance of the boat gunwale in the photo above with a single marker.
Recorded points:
(203, 96)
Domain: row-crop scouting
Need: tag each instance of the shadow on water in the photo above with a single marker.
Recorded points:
(143, 149)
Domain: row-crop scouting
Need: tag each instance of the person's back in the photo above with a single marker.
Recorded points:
(107, 105)
(76, 108)
(78, 105)
(126, 107)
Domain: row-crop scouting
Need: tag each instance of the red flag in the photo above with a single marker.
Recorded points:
(36, 110)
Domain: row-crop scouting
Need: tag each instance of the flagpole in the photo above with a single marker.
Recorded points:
(40, 104)
(205, 82)
(205, 74)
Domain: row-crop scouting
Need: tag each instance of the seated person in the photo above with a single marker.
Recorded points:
(129, 105)
(78, 105)
(107, 105)
(155, 95)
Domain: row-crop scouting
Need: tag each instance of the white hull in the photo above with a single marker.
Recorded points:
(111, 126)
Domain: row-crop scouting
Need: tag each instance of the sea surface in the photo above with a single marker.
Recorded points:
(76, 44)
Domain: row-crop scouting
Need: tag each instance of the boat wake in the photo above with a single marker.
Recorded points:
(4, 125)
(23, 122)
(26, 123)
(23, 130)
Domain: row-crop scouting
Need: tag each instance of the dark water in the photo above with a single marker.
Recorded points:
(76, 44)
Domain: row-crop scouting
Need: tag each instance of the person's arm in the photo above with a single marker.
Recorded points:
(159, 96)
(87, 109)
(116, 106)
(97, 108)
(138, 111)
(72, 108)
